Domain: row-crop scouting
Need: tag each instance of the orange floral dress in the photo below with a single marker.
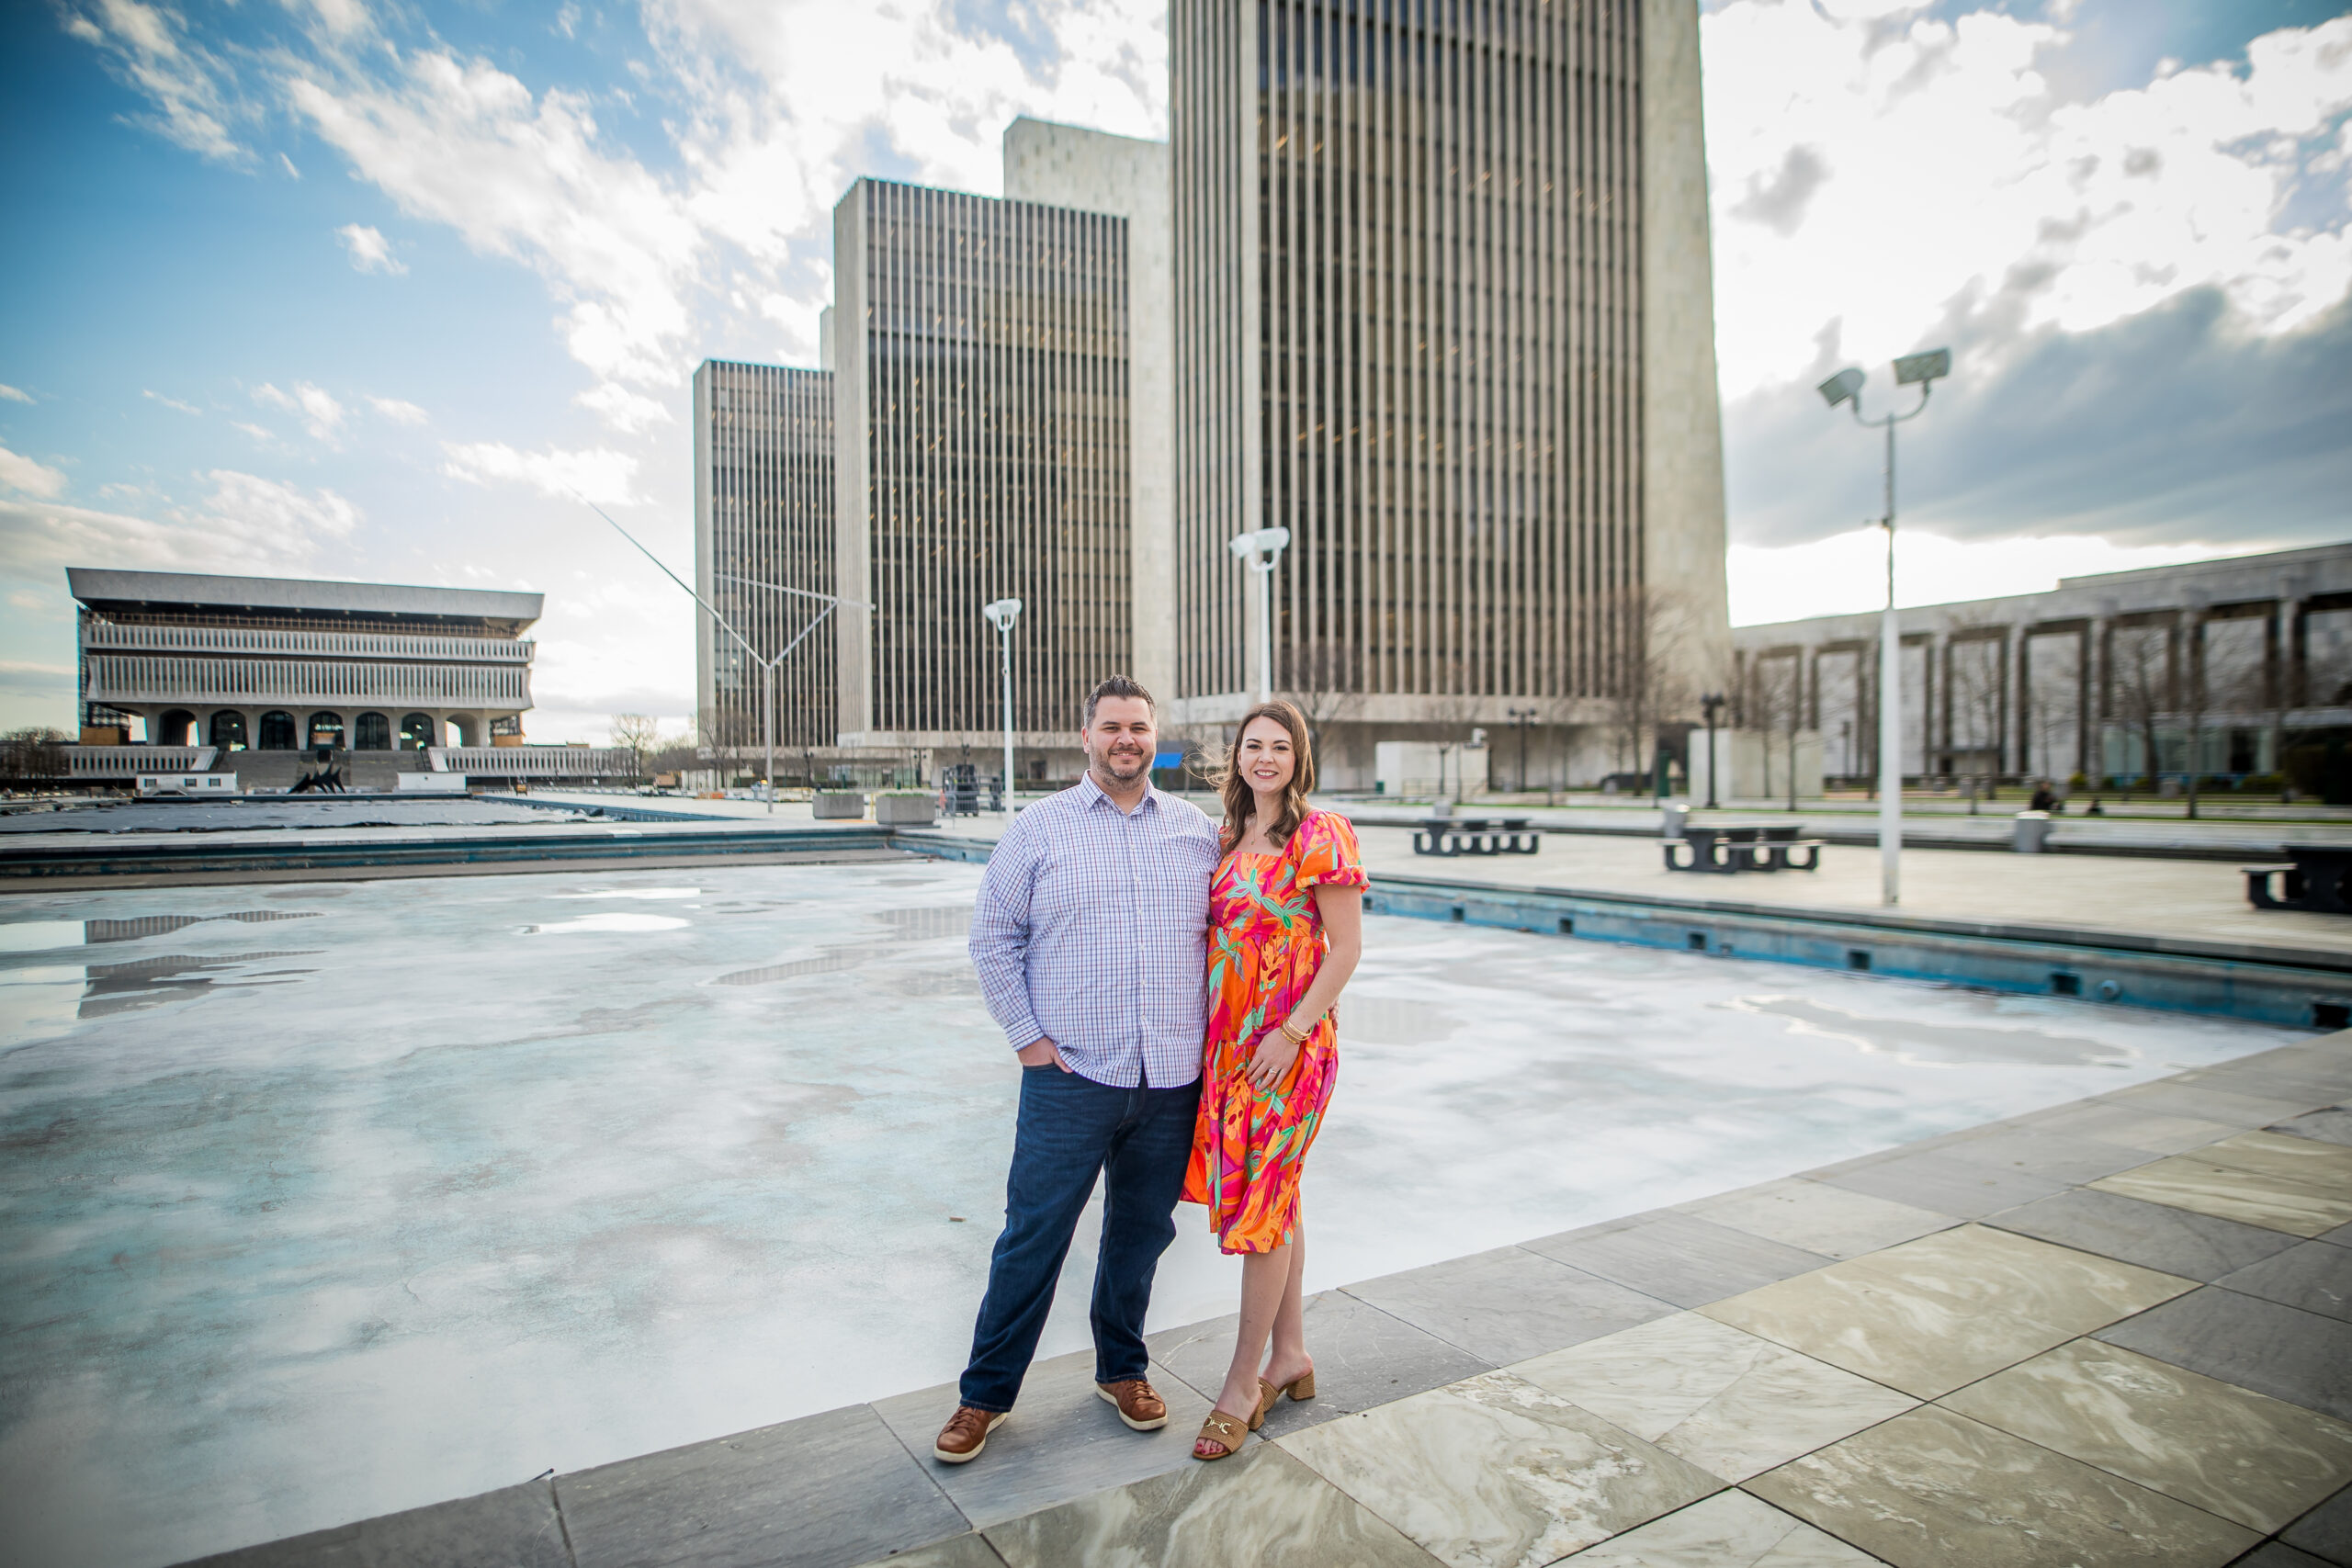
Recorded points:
(1266, 944)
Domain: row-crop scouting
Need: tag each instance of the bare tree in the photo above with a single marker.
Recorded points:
(2140, 664)
(1646, 678)
(637, 734)
(38, 752)
(1976, 691)
(1779, 704)
(1454, 709)
(1323, 678)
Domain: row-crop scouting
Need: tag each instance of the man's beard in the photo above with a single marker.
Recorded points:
(1110, 763)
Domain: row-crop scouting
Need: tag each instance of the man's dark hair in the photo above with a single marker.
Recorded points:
(1117, 686)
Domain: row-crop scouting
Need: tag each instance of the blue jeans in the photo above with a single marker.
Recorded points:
(1072, 1128)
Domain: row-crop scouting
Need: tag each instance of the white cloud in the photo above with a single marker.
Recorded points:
(1879, 182)
(11, 394)
(246, 523)
(28, 477)
(398, 412)
(597, 474)
(316, 407)
(624, 410)
(1846, 573)
(170, 402)
(288, 163)
(370, 252)
(255, 431)
(147, 46)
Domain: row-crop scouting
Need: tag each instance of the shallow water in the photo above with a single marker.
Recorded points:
(322, 1200)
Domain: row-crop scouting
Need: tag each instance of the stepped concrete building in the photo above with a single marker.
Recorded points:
(763, 527)
(1443, 310)
(265, 676)
(2216, 666)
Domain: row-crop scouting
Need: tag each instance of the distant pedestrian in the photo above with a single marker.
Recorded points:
(1287, 909)
(2043, 800)
(1090, 937)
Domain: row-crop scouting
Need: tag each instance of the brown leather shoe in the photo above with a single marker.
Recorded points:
(965, 1434)
(1139, 1406)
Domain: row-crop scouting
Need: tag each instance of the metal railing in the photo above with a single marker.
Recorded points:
(345, 644)
(149, 678)
(129, 762)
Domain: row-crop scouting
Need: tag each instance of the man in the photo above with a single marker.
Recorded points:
(1091, 936)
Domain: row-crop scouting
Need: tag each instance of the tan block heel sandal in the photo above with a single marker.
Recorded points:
(1230, 1432)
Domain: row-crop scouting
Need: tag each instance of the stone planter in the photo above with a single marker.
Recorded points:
(905, 810)
(843, 805)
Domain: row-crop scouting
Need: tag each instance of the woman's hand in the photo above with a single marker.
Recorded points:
(1267, 1064)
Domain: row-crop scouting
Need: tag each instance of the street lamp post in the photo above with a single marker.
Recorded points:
(1922, 370)
(1260, 550)
(767, 666)
(1001, 614)
(1711, 704)
(1521, 719)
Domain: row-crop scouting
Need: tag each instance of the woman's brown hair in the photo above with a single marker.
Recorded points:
(1241, 801)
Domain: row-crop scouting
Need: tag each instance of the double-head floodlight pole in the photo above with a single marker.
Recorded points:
(1923, 370)
(1260, 550)
(767, 666)
(1001, 614)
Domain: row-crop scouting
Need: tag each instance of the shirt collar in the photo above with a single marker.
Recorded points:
(1150, 801)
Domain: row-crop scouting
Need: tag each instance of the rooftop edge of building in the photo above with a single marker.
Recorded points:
(101, 585)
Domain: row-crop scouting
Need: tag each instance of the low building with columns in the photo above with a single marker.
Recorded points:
(2215, 666)
(273, 676)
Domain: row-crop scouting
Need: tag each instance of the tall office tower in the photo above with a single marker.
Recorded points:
(763, 522)
(1444, 310)
(1066, 166)
(980, 364)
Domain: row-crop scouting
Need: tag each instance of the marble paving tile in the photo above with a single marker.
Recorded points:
(2233, 1452)
(2279, 1554)
(2167, 1098)
(2326, 1530)
(1496, 1473)
(1728, 1402)
(969, 1551)
(2270, 1154)
(2295, 1204)
(2332, 1125)
(516, 1526)
(1363, 1358)
(1063, 1440)
(1830, 1221)
(1677, 1258)
(2152, 1131)
(1946, 1184)
(1931, 1314)
(1934, 1489)
(2282, 1351)
(2047, 1154)
(1508, 1304)
(822, 1491)
(1261, 1509)
(1730, 1529)
(2154, 1236)
(2315, 1275)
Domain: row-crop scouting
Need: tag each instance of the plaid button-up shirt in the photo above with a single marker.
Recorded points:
(1092, 930)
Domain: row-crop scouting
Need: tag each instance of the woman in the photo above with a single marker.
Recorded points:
(1289, 875)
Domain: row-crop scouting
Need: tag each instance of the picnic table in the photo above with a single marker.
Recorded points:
(1727, 847)
(1476, 836)
(2313, 877)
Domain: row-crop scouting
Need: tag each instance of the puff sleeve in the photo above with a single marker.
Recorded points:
(1327, 851)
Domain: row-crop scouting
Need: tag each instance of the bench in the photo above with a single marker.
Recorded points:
(2313, 879)
(1476, 836)
(1726, 849)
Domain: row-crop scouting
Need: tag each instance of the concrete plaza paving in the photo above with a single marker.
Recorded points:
(2113, 1332)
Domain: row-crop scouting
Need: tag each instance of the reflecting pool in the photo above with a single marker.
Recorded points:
(332, 1198)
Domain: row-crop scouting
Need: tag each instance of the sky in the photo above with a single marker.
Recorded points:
(324, 288)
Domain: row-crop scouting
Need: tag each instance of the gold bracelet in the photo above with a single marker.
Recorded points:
(1294, 1039)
